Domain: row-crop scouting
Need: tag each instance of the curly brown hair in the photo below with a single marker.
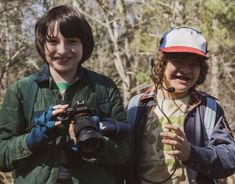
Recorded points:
(159, 62)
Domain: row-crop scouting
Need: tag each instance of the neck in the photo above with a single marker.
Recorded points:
(171, 95)
(62, 77)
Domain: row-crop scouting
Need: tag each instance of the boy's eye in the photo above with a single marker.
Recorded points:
(73, 40)
(195, 64)
(52, 41)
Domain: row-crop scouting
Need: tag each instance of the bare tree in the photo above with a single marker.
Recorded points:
(14, 48)
(113, 25)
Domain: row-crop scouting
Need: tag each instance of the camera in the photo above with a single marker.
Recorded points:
(89, 138)
(90, 128)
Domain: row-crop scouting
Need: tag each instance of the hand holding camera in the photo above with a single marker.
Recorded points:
(45, 127)
(85, 127)
(88, 129)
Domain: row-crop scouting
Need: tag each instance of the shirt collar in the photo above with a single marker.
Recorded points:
(195, 100)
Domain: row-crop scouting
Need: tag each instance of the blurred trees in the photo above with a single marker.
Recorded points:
(16, 49)
(127, 33)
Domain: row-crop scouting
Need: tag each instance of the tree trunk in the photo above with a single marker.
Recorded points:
(215, 81)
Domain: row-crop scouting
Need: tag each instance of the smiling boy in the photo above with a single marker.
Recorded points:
(44, 149)
(171, 141)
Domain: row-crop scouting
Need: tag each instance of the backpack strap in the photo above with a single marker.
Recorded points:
(29, 97)
(209, 117)
(132, 109)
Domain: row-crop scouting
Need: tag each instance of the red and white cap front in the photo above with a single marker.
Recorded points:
(184, 39)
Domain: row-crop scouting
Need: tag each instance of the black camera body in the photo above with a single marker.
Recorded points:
(89, 138)
(89, 129)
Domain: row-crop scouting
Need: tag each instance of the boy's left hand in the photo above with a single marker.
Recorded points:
(177, 139)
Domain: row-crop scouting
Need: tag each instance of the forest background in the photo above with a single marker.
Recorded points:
(126, 34)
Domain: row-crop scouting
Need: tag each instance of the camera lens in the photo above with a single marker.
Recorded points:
(89, 142)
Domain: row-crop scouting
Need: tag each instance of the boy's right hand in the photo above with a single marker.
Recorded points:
(178, 140)
(45, 128)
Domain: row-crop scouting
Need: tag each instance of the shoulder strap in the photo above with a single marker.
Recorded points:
(132, 109)
(29, 96)
(210, 116)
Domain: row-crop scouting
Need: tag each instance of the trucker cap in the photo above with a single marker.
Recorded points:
(184, 39)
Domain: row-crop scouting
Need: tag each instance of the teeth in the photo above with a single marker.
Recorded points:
(63, 58)
(183, 78)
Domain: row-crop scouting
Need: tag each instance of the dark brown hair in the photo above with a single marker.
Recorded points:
(71, 24)
(160, 60)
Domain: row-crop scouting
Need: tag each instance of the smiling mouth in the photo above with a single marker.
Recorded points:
(183, 78)
(64, 59)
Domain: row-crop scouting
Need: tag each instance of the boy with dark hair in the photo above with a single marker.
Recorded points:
(63, 144)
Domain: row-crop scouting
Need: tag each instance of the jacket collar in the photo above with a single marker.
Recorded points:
(44, 75)
(195, 100)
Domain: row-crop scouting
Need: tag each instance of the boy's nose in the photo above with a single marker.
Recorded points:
(62, 48)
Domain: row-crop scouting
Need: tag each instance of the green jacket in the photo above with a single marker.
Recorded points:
(42, 167)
